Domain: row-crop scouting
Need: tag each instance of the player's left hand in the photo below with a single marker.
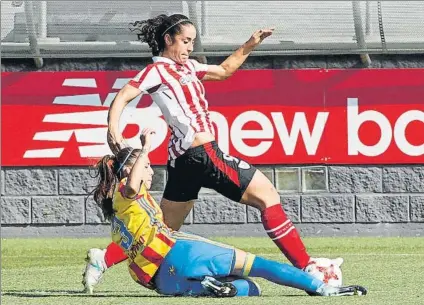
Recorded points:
(259, 36)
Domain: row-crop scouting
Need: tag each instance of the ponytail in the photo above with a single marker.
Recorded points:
(103, 193)
(110, 170)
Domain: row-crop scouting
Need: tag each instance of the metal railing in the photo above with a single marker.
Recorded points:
(43, 29)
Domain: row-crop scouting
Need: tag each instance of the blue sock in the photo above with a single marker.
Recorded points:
(246, 288)
(284, 274)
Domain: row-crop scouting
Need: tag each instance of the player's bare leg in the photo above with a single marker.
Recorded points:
(174, 212)
(260, 193)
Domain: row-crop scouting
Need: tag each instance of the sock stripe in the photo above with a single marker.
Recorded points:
(248, 264)
(284, 233)
(244, 264)
(279, 227)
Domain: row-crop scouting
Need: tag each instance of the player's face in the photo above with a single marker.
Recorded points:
(148, 175)
(183, 44)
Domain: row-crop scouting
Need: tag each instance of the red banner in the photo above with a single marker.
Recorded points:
(263, 116)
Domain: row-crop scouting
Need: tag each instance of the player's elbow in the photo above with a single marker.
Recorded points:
(120, 101)
(116, 108)
(130, 191)
(226, 76)
(224, 73)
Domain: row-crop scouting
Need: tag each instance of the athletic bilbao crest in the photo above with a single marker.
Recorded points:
(186, 79)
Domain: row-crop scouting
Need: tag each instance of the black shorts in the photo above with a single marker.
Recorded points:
(207, 166)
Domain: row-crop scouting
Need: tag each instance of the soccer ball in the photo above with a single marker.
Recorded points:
(326, 270)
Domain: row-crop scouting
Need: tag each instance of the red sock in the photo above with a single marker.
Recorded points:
(114, 255)
(283, 233)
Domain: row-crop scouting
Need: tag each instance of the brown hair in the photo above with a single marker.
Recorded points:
(109, 172)
(152, 31)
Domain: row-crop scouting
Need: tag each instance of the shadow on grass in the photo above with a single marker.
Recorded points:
(73, 293)
(101, 294)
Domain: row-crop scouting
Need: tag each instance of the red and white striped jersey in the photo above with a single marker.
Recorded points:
(179, 93)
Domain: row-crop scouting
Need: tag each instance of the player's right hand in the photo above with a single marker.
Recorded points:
(146, 138)
(259, 36)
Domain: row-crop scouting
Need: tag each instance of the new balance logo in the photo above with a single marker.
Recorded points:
(94, 123)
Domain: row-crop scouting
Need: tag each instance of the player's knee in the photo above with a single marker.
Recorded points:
(174, 213)
(260, 193)
(261, 198)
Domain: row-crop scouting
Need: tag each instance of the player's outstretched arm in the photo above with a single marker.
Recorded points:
(141, 165)
(235, 60)
(115, 139)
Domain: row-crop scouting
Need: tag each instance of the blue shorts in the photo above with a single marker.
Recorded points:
(190, 260)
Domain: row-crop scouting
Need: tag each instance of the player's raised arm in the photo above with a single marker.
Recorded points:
(141, 169)
(114, 136)
(235, 60)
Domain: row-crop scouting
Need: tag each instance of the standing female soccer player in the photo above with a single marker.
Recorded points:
(175, 84)
(174, 263)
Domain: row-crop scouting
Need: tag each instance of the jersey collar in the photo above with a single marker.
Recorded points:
(163, 59)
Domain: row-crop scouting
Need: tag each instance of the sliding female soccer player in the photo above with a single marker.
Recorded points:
(174, 263)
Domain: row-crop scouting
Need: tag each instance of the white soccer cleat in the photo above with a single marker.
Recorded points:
(94, 269)
(218, 288)
(329, 291)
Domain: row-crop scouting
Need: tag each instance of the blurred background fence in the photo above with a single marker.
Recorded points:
(31, 29)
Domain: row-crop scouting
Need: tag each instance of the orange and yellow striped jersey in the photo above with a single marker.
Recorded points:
(138, 228)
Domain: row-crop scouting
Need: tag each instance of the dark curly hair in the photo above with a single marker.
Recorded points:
(152, 31)
(109, 172)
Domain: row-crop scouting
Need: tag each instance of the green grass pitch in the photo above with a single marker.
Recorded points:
(48, 271)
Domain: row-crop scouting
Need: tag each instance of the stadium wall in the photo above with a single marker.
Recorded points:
(359, 200)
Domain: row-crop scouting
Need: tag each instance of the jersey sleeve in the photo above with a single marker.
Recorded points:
(200, 69)
(147, 80)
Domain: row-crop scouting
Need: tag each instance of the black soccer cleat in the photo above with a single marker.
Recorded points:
(219, 289)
